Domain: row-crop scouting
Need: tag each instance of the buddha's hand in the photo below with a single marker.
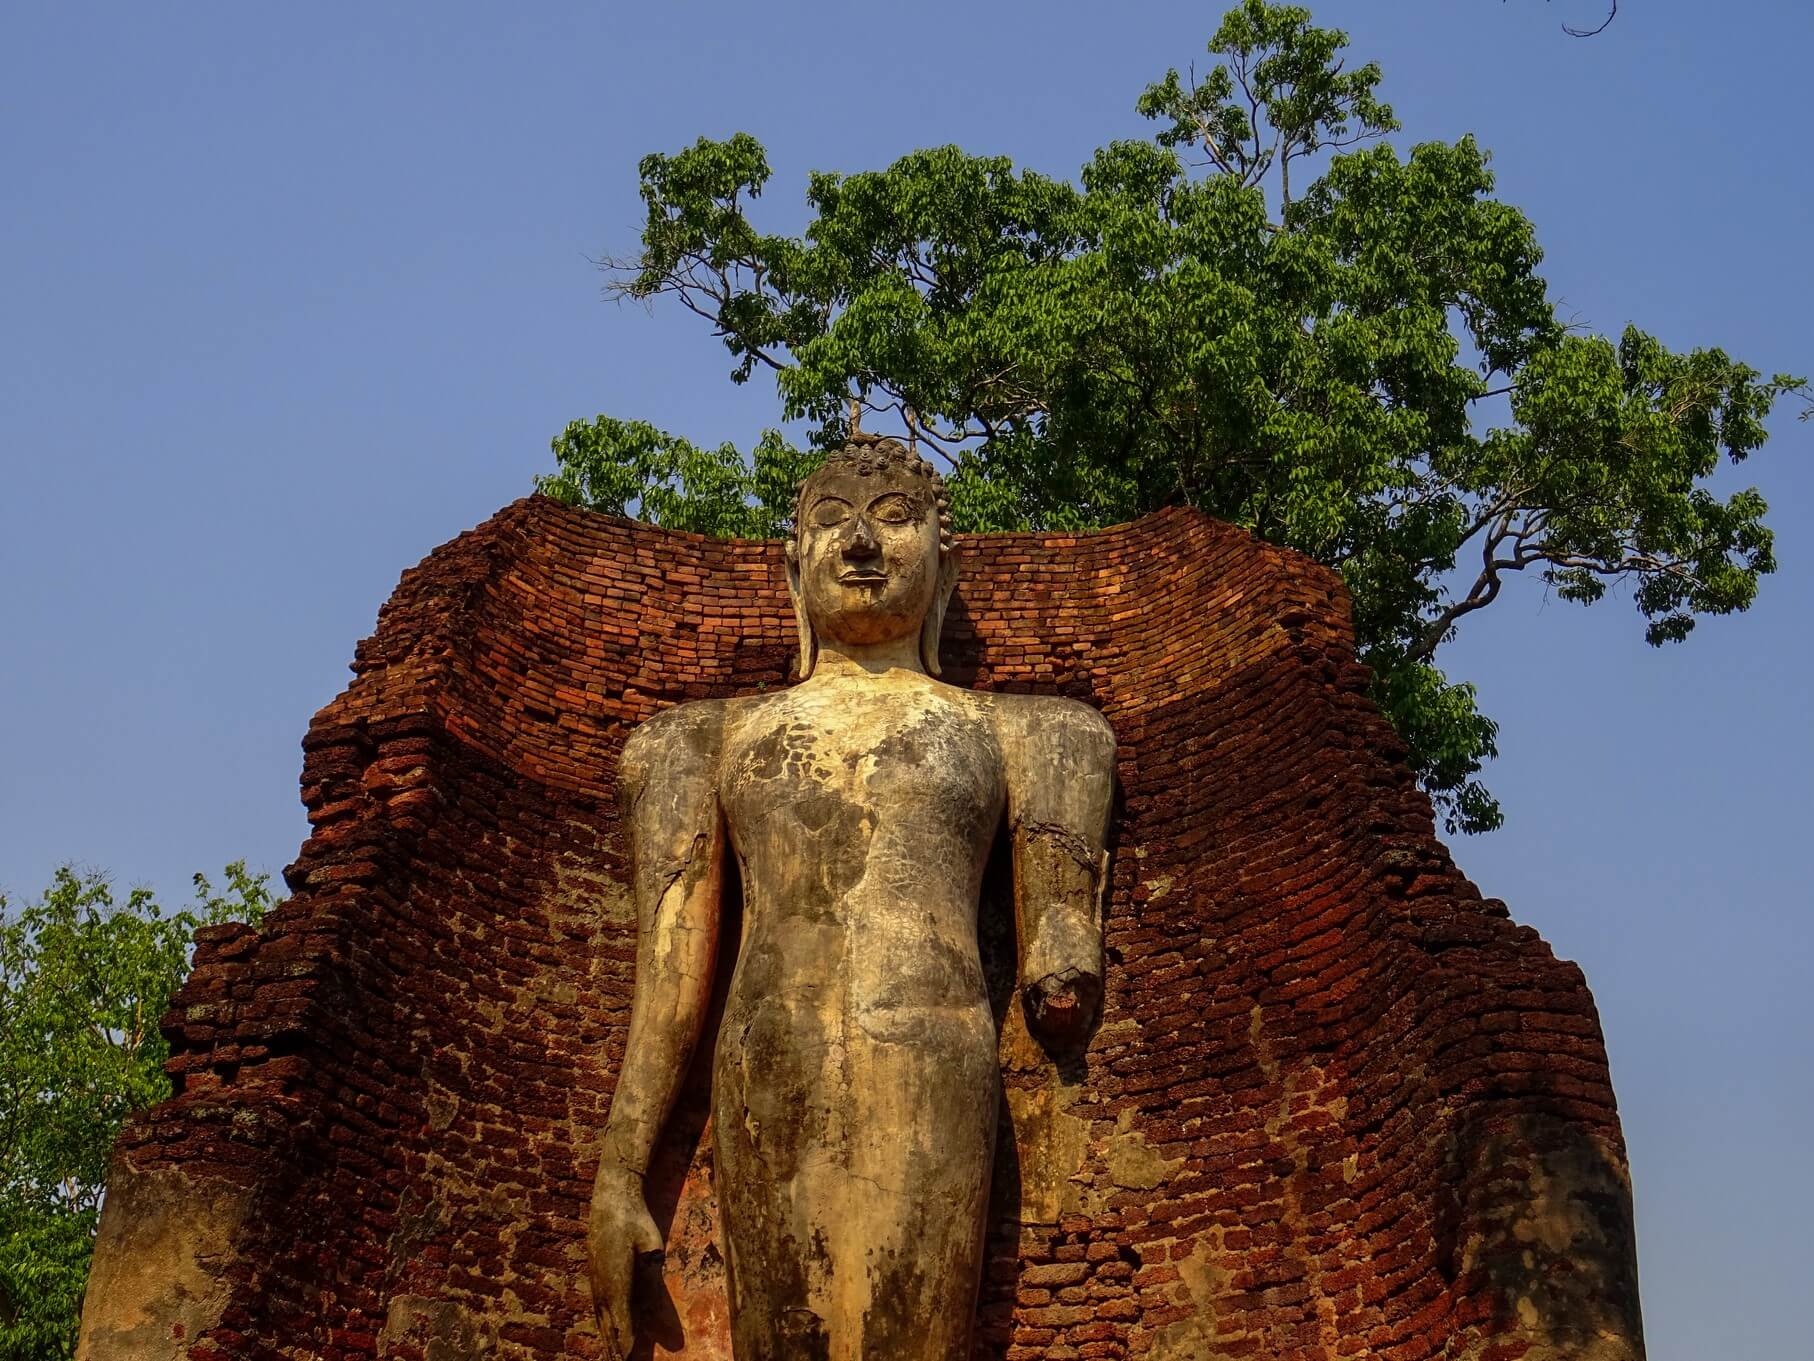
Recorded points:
(619, 1230)
(1061, 1007)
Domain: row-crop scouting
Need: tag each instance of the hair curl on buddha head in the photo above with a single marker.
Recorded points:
(865, 455)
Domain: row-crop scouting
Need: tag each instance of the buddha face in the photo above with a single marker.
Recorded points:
(865, 564)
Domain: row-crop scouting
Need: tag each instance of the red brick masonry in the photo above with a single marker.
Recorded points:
(1340, 1105)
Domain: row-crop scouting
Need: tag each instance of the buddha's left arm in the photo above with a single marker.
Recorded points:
(1061, 784)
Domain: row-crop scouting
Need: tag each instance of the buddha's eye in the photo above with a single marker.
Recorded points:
(829, 512)
(893, 510)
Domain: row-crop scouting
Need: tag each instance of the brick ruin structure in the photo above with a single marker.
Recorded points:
(1340, 1105)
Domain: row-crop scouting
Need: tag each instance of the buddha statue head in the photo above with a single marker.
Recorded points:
(871, 559)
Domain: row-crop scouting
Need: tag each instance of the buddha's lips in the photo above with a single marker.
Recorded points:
(861, 578)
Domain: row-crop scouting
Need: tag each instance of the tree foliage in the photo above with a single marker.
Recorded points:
(83, 983)
(1266, 310)
(625, 466)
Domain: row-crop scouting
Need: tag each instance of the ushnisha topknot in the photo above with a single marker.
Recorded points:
(866, 454)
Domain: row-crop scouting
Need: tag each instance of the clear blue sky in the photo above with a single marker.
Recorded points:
(288, 296)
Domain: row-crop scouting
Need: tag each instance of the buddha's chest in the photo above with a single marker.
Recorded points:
(891, 759)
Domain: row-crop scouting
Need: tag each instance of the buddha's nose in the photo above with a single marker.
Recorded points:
(860, 541)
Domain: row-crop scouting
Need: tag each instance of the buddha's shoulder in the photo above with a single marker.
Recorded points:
(686, 735)
(691, 739)
(1044, 720)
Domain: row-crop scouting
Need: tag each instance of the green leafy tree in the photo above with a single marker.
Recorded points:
(625, 466)
(1266, 310)
(83, 983)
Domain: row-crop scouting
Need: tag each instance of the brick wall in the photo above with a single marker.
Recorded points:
(1340, 1105)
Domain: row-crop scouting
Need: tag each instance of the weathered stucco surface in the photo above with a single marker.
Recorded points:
(161, 1276)
(856, 1077)
(1338, 1105)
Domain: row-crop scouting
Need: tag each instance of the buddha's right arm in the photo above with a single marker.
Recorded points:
(668, 778)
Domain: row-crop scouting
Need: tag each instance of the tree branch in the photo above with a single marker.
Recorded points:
(1209, 141)
(1611, 14)
(1525, 553)
(1260, 160)
(1481, 594)
(920, 430)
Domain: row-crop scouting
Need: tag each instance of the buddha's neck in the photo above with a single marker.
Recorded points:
(842, 661)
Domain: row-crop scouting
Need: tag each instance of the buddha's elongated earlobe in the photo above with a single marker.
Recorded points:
(809, 643)
(935, 615)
